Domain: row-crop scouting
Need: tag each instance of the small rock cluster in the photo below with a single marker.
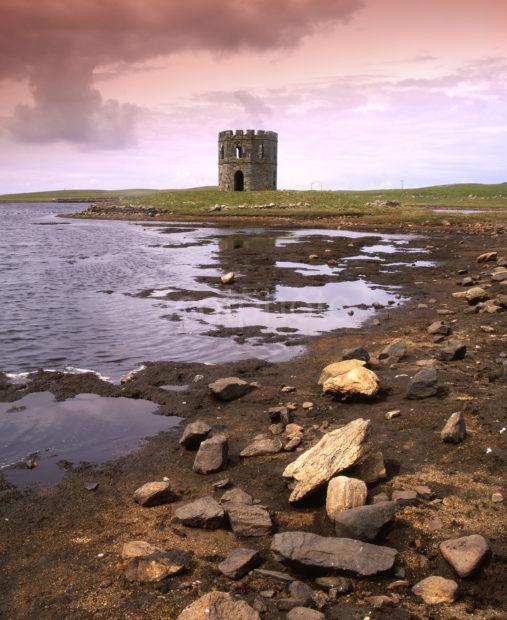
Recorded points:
(383, 203)
(488, 293)
(343, 461)
(271, 205)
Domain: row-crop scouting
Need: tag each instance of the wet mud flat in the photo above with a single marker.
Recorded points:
(61, 547)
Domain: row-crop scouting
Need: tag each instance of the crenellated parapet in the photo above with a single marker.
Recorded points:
(241, 134)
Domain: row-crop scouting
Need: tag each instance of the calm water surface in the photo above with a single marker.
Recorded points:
(92, 428)
(67, 286)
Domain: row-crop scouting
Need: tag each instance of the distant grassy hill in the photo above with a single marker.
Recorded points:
(77, 195)
(415, 204)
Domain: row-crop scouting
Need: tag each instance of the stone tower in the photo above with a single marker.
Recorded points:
(247, 160)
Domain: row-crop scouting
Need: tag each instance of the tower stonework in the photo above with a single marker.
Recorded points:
(247, 160)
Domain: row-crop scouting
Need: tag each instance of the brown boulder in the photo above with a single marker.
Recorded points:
(229, 388)
(154, 493)
(435, 590)
(465, 554)
(157, 566)
(219, 606)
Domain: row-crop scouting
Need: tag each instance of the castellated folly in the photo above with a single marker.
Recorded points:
(247, 160)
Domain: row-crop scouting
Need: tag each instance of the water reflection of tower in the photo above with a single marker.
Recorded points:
(253, 256)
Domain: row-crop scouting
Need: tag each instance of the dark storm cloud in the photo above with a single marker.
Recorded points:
(58, 44)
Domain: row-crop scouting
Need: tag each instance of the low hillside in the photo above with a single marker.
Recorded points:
(462, 201)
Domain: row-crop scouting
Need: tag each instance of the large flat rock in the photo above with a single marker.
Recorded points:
(332, 553)
(335, 452)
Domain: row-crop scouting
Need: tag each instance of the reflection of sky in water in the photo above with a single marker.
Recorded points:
(85, 428)
(388, 249)
(466, 211)
(416, 263)
(306, 269)
(322, 308)
(362, 257)
(64, 300)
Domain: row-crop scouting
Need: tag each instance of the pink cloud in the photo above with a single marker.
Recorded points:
(58, 45)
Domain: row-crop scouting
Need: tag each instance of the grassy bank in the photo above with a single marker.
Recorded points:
(416, 205)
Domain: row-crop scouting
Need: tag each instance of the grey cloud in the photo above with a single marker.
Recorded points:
(59, 45)
(253, 105)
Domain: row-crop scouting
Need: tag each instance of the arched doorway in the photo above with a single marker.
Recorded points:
(239, 181)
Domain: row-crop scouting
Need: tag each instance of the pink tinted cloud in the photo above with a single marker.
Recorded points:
(359, 131)
(58, 45)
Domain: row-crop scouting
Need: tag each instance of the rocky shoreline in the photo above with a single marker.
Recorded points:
(221, 214)
(362, 479)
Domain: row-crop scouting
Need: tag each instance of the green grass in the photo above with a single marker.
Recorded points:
(417, 205)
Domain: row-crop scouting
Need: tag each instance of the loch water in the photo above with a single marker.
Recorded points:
(71, 292)
(79, 295)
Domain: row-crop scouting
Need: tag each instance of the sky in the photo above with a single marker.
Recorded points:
(363, 93)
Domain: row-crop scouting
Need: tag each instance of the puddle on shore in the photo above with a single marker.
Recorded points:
(306, 269)
(465, 211)
(87, 428)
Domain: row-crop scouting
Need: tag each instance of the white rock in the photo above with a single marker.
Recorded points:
(344, 493)
(339, 368)
(227, 278)
(355, 382)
